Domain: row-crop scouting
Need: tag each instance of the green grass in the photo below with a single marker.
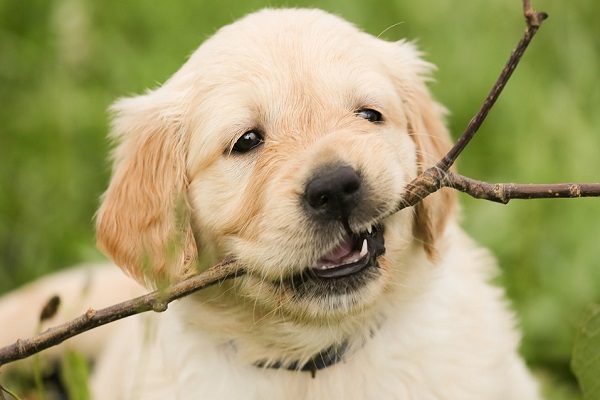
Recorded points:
(63, 62)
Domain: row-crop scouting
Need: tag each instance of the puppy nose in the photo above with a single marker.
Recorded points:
(333, 192)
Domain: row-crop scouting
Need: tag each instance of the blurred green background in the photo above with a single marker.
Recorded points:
(62, 62)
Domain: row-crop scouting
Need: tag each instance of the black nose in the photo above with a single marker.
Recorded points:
(333, 192)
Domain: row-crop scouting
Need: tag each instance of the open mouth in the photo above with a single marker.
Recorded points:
(347, 268)
(353, 255)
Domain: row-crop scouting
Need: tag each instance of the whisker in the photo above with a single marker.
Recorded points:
(390, 27)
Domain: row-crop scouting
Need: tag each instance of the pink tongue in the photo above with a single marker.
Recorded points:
(338, 254)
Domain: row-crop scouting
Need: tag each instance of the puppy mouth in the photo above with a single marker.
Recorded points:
(356, 252)
(344, 270)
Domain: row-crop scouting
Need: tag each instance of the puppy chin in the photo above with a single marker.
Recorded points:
(316, 301)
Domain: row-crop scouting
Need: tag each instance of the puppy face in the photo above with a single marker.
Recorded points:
(284, 142)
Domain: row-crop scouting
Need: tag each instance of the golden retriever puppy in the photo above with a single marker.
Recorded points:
(285, 142)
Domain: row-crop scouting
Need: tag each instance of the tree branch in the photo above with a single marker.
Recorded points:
(504, 192)
(156, 301)
(534, 20)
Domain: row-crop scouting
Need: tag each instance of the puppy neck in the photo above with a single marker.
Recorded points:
(273, 340)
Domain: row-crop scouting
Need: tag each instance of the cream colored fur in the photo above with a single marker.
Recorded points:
(429, 326)
(79, 288)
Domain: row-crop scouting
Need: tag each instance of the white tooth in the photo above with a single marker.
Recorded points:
(363, 251)
(370, 229)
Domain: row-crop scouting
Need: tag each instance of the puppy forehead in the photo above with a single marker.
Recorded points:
(287, 49)
(287, 66)
(292, 30)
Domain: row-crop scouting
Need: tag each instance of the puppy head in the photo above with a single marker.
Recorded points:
(284, 142)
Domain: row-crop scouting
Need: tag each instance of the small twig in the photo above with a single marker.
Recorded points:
(504, 192)
(155, 301)
(534, 19)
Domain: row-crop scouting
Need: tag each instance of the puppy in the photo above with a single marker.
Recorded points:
(285, 142)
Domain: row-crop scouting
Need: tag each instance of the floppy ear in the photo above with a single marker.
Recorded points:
(427, 127)
(143, 223)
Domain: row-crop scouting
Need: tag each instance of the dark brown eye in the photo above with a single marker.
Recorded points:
(248, 141)
(370, 115)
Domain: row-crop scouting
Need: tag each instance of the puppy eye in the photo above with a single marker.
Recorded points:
(370, 115)
(248, 141)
